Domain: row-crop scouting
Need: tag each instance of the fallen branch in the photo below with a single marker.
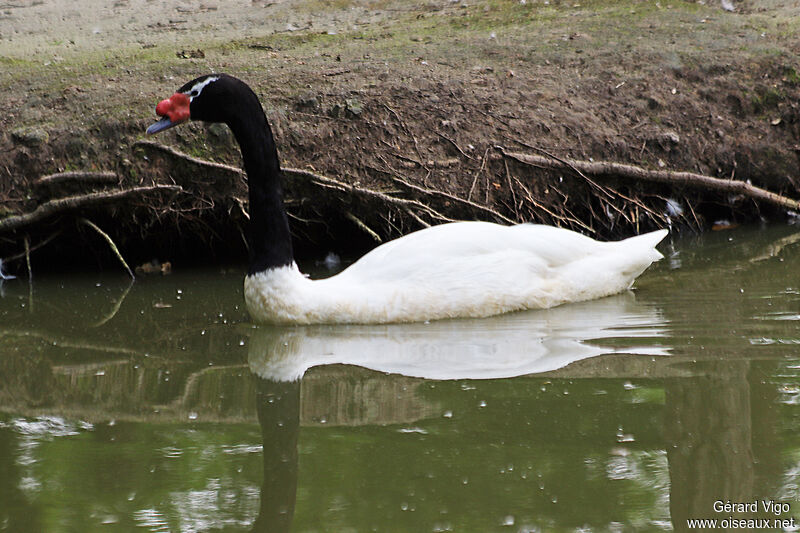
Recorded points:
(72, 203)
(606, 169)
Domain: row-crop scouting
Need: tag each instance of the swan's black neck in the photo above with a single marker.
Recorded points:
(269, 238)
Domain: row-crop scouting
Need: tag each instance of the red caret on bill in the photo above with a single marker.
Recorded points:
(176, 107)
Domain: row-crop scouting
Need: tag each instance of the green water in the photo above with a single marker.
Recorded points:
(159, 407)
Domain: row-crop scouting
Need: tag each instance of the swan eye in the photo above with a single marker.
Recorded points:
(194, 93)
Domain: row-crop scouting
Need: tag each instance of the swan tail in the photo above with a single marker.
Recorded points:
(634, 255)
(647, 243)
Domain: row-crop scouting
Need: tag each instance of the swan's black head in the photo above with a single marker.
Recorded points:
(211, 98)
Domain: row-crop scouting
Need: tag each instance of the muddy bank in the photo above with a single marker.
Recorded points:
(398, 118)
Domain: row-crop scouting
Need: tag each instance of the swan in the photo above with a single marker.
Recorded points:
(459, 269)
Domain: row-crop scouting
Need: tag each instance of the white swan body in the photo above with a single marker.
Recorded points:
(462, 269)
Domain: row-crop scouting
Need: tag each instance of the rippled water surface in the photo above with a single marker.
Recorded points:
(157, 406)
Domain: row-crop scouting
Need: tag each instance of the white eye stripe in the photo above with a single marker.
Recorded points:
(198, 87)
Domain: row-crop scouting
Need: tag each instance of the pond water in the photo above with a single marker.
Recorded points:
(157, 406)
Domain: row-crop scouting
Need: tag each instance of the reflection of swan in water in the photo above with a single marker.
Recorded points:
(497, 347)
(278, 405)
(502, 346)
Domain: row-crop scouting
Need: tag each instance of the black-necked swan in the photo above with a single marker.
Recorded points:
(460, 269)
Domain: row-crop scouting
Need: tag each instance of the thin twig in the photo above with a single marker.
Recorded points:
(396, 177)
(362, 226)
(567, 163)
(27, 242)
(511, 188)
(116, 307)
(36, 246)
(529, 196)
(110, 244)
(436, 192)
(478, 173)
(330, 183)
(419, 220)
(622, 213)
(413, 162)
(652, 213)
(694, 215)
(451, 141)
(408, 131)
(30, 273)
(70, 342)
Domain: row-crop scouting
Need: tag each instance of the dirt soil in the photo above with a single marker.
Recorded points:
(397, 99)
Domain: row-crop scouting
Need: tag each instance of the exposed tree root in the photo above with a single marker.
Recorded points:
(304, 180)
(94, 178)
(607, 169)
(601, 203)
(171, 152)
(72, 203)
(306, 176)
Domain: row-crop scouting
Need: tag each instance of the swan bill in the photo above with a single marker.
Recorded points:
(163, 124)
